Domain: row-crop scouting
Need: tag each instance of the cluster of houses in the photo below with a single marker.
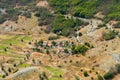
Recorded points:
(57, 46)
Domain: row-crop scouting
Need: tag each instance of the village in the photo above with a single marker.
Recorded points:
(54, 40)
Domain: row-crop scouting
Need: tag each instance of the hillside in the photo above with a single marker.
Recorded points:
(87, 8)
(60, 39)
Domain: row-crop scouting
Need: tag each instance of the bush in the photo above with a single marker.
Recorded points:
(113, 16)
(89, 45)
(47, 51)
(110, 35)
(118, 68)
(86, 74)
(3, 76)
(79, 49)
(66, 51)
(9, 69)
(48, 29)
(77, 78)
(53, 37)
(53, 43)
(108, 75)
(80, 34)
(117, 25)
(2, 19)
(40, 43)
(26, 14)
(113, 11)
(38, 50)
(100, 77)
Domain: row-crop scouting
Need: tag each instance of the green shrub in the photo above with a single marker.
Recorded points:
(40, 43)
(89, 45)
(80, 34)
(77, 78)
(108, 75)
(113, 16)
(117, 25)
(79, 49)
(53, 43)
(86, 74)
(110, 35)
(53, 37)
(99, 77)
(38, 50)
(47, 51)
(2, 19)
(118, 68)
(66, 51)
(26, 14)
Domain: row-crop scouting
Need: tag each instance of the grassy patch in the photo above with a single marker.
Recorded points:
(0, 75)
(55, 78)
(24, 65)
(14, 40)
(56, 72)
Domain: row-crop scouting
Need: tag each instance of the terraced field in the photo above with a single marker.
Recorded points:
(56, 73)
(59, 39)
(7, 41)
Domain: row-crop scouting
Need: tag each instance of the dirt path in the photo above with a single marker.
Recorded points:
(22, 72)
